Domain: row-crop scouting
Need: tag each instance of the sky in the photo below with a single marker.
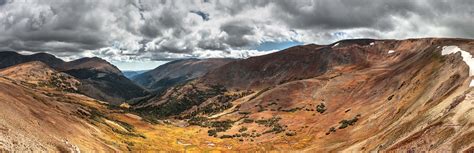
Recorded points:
(141, 34)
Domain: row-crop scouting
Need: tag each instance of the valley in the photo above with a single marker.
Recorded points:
(357, 95)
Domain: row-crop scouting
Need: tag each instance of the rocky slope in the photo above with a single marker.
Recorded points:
(177, 72)
(111, 87)
(44, 119)
(410, 95)
(38, 74)
(37, 118)
(99, 79)
(353, 95)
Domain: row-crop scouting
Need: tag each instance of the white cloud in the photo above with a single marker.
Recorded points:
(137, 30)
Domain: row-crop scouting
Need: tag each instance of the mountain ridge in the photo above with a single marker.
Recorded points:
(178, 71)
(393, 84)
(99, 79)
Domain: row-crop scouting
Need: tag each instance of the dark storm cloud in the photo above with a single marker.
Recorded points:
(236, 32)
(457, 15)
(341, 14)
(3, 2)
(149, 29)
(56, 27)
(174, 28)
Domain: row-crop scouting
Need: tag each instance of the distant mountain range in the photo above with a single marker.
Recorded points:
(130, 74)
(177, 72)
(360, 95)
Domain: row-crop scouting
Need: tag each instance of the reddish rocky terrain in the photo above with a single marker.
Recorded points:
(353, 95)
(361, 95)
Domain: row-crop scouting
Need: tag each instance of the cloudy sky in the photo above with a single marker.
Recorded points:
(140, 34)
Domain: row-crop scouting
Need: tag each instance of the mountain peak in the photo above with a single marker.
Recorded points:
(91, 63)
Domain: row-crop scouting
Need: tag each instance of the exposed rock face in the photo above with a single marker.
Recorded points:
(177, 72)
(378, 95)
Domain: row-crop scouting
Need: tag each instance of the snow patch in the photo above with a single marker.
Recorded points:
(466, 57)
(335, 45)
(391, 51)
(372, 43)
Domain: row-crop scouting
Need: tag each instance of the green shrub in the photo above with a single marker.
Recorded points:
(221, 126)
(248, 120)
(390, 97)
(242, 129)
(268, 122)
(292, 110)
(272, 122)
(212, 133)
(226, 136)
(332, 129)
(277, 128)
(321, 108)
(244, 113)
(346, 123)
(200, 121)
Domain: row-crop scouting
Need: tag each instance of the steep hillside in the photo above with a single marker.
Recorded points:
(294, 63)
(47, 119)
(39, 74)
(99, 79)
(178, 71)
(38, 115)
(102, 80)
(110, 87)
(350, 96)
